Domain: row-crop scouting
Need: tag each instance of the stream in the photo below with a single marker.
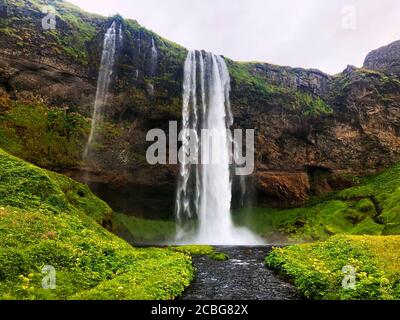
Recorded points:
(243, 277)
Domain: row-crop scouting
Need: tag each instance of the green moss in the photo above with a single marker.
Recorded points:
(111, 130)
(312, 106)
(368, 227)
(372, 207)
(142, 230)
(48, 219)
(241, 74)
(81, 31)
(28, 187)
(49, 137)
(317, 269)
(162, 275)
(195, 249)
(8, 31)
(365, 205)
(218, 256)
(202, 250)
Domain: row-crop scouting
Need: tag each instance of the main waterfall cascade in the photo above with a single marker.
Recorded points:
(204, 191)
(103, 81)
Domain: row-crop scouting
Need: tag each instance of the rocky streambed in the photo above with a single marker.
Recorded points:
(242, 277)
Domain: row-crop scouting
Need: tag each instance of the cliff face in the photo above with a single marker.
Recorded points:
(385, 59)
(313, 135)
(314, 132)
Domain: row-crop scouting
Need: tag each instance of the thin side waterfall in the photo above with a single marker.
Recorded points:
(103, 82)
(203, 202)
(120, 34)
(154, 56)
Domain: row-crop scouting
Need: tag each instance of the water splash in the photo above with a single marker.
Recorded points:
(103, 82)
(205, 190)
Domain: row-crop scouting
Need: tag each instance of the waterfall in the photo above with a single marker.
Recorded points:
(154, 52)
(204, 191)
(103, 82)
(154, 56)
(120, 34)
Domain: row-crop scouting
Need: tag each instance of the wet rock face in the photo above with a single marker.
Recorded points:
(59, 87)
(385, 59)
(299, 150)
(283, 188)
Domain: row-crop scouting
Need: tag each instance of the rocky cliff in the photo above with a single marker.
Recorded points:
(314, 132)
(385, 59)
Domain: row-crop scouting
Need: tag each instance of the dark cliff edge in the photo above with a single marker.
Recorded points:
(314, 132)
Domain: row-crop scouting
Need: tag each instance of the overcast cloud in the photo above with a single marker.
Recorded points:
(299, 33)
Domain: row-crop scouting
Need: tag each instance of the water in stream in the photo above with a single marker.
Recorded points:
(243, 277)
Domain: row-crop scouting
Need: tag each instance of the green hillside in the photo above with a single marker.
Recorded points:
(48, 219)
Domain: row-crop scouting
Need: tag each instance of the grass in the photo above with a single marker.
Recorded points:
(371, 208)
(318, 270)
(48, 219)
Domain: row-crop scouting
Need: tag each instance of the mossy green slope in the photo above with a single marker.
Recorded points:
(48, 219)
(370, 208)
(319, 270)
(143, 231)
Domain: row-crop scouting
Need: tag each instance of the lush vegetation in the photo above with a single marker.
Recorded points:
(49, 137)
(343, 267)
(195, 250)
(202, 250)
(311, 106)
(370, 208)
(219, 256)
(359, 225)
(48, 219)
(143, 231)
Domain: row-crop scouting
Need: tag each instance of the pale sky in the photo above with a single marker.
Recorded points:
(323, 34)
